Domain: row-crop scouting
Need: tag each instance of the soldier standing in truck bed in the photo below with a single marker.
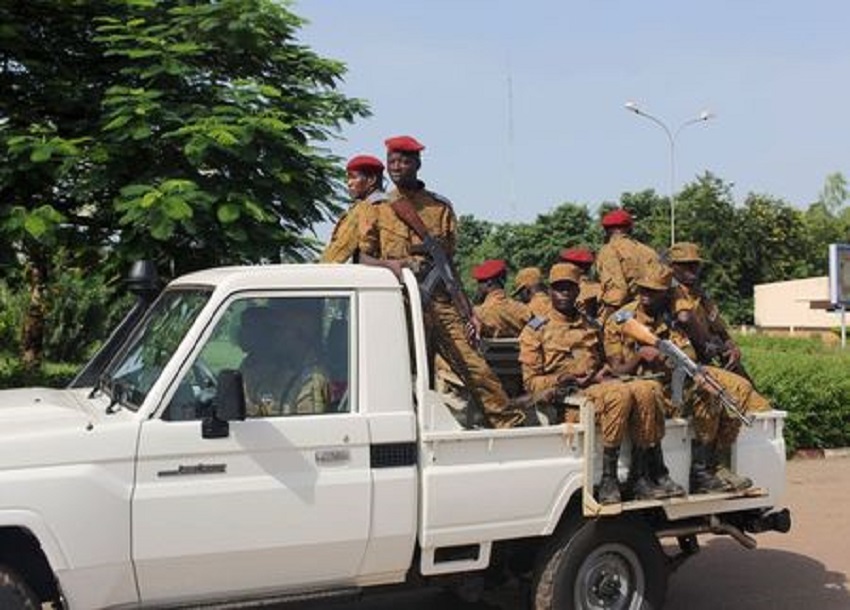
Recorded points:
(393, 243)
(365, 181)
(500, 316)
(529, 289)
(620, 262)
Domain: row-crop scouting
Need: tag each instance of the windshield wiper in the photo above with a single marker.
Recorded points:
(101, 385)
(118, 390)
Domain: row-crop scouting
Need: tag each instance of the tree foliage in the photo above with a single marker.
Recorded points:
(187, 132)
(763, 240)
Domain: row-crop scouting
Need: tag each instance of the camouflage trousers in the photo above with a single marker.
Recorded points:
(635, 407)
(446, 329)
(711, 422)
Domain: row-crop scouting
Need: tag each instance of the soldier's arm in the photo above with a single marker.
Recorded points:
(343, 243)
(620, 359)
(531, 357)
(314, 395)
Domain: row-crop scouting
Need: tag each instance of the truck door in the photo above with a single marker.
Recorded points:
(283, 502)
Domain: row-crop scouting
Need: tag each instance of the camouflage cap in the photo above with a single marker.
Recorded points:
(656, 277)
(565, 272)
(684, 252)
(527, 277)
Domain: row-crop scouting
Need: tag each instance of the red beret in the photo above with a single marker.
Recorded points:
(581, 256)
(617, 218)
(489, 269)
(403, 144)
(365, 163)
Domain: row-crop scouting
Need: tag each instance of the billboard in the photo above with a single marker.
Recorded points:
(839, 275)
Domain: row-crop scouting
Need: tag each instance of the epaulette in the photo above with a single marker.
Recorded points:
(376, 197)
(623, 315)
(440, 198)
(536, 322)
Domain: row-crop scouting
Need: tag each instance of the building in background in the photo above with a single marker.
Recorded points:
(796, 307)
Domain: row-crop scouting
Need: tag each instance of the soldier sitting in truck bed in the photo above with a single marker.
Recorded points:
(562, 355)
(500, 315)
(714, 428)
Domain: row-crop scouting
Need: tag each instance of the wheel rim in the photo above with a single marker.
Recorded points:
(610, 578)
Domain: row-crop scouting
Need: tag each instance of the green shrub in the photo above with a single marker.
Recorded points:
(50, 375)
(809, 380)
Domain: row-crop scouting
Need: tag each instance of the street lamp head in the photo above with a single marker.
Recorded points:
(706, 115)
(633, 107)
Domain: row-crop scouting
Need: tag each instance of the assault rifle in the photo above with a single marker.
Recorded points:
(441, 271)
(683, 367)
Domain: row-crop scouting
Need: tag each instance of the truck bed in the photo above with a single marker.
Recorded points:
(483, 485)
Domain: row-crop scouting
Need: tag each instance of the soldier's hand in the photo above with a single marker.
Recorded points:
(472, 329)
(395, 266)
(733, 356)
(649, 354)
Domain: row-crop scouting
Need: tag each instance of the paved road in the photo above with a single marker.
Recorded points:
(807, 568)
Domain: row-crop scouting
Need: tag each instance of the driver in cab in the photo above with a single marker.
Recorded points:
(281, 371)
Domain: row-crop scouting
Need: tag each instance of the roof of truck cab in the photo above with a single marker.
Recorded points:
(307, 275)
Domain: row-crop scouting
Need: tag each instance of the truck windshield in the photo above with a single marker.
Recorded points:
(152, 344)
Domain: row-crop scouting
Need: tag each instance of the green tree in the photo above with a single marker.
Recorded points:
(525, 244)
(773, 239)
(706, 215)
(651, 213)
(186, 132)
(826, 222)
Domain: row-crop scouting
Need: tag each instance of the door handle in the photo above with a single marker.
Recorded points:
(328, 457)
(193, 469)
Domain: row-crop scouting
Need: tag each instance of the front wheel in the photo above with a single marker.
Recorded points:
(15, 594)
(607, 564)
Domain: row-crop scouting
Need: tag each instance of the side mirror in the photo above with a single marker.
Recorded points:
(228, 405)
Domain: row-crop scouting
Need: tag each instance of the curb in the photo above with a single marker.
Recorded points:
(819, 454)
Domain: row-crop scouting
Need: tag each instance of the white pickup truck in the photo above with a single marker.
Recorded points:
(153, 489)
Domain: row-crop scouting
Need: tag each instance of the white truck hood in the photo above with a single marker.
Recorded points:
(41, 427)
(40, 409)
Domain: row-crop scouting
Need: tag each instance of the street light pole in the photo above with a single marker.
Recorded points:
(704, 116)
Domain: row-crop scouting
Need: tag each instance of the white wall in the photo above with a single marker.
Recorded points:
(787, 305)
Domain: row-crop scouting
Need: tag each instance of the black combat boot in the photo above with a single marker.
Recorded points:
(703, 479)
(609, 486)
(660, 475)
(642, 486)
(718, 466)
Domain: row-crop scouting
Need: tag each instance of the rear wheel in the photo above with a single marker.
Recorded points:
(15, 594)
(607, 564)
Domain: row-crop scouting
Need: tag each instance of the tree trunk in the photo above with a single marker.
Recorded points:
(32, 336)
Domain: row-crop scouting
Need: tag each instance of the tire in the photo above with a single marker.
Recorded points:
(15, 594)
(609, 563)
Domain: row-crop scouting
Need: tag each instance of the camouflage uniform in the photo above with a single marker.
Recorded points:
(589, 296)
(345, 239)
(711, 422)
(540, 304)
(272, 389)
(619, 264)
(501, 316)
(557, 346)
(389, 238)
